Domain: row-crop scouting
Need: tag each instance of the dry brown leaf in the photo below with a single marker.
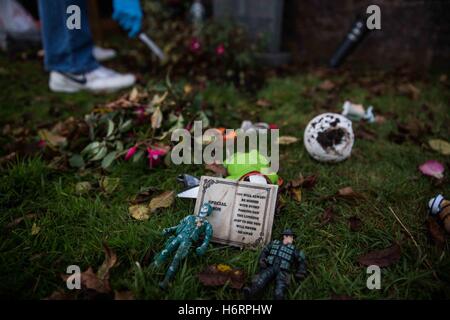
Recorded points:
(164, 200)
(348, 193)
(413, 129)
(35, 229)
(327, 85)
(67, 127)
(296, 194)
(380, 119)
(187, 89)
(285, 140)
(108, 184)
(53, 140)
(99, 281)
(9, 157)
(440, 146)
(143, 196)
(294, 187)
(263, 103)
(134, 95)
(157, 118)
(218, 275)
(381, 258)
(159, 99)
(122, 102)
(90, 280)
(304, 182)
(139, 212)
(110, 262)
(409, 89)
(436, 233)
(83, 187)
(15, 222)
(345, 192)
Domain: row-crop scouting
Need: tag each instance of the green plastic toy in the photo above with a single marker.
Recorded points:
(187, 232)
(240, 165)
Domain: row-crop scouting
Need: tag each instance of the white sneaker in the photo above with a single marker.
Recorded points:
(99, 80)
(103, 54)
(100, 54)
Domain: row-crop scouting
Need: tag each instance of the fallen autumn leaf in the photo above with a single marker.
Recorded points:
(440, 146)
(436, 233)
(164, 200)
(286, 140)
(381, 258)
(218, 275)
(139, 211)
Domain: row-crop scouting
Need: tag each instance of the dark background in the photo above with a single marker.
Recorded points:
(415, 33)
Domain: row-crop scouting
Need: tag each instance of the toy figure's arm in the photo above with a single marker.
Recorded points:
(263, 256)
(208, 234)
(170, 230)
(301, 265)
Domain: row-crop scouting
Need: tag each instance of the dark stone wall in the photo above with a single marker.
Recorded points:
(413, 32)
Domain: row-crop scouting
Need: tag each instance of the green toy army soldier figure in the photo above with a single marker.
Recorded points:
(187, 232)
(275, 262)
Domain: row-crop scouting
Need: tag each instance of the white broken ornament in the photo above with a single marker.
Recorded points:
(329, 137)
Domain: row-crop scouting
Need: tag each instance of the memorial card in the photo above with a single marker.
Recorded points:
(242, 211)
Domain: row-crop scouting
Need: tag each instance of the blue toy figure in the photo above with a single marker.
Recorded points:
(186, 232)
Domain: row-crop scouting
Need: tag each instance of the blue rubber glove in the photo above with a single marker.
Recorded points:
(128, 14)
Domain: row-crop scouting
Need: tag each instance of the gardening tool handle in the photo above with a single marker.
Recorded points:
(152, 45)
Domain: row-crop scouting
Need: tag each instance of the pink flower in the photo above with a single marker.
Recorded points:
(155, 155)
(195, 45)
(130, 153)
(220, 49)
(432, 168)
(42, 143)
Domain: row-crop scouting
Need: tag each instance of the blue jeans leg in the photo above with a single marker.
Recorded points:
(66, 50)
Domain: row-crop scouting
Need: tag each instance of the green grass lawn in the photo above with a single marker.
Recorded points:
(73, 227)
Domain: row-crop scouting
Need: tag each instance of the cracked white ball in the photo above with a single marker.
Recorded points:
(329, 137)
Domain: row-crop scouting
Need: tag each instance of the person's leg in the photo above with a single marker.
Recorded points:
(281, 283)
(259, 282)
(66, 50)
